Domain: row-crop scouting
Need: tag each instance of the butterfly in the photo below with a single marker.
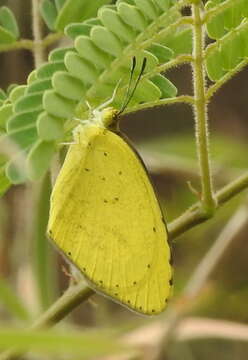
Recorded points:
(105, 217)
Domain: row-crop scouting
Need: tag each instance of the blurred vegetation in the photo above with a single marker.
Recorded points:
(32, 274)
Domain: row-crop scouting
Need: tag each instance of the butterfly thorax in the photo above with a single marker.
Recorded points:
(108, 117)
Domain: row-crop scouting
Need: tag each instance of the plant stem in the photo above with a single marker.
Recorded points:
(200, 107)
(38, 50)
(21, 44)
(29, 44)
(180, 99)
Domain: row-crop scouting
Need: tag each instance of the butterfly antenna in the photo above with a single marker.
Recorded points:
(130, 95)
(126, 99)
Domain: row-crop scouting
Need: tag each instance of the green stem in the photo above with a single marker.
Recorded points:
(38, 49)
(201, 120)
(26, 44)
(21, 44)
(180, 99)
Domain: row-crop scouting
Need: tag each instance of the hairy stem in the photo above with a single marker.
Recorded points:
(200, 107)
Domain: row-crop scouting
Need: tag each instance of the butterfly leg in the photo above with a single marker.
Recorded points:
(108, 102)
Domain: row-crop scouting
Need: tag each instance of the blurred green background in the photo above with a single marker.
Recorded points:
(165, 138)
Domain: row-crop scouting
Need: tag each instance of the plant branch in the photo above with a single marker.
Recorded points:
(201, 120)
(25, 44)
(169, 101)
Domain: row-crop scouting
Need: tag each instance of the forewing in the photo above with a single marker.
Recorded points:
(106, 219)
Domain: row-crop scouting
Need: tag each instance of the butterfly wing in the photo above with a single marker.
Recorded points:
(106, 219)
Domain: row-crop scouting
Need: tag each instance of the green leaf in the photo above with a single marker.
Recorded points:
(180, 42)
(32, 77)
(17, 92)
(81, 68)
(39, 159)
(106, 40)
(8, 21)
(5, 113)
(68, 86)
(147, 91)
(233, 16)
(58, 54)
(132, 16)
(16, 169)
(47, 70)
(231, 53)
(88, 50)
(22, 121)
(166, 87)
(215, 27)
(4, 182)
(39, 86)
(29, 102)
(163, 53)
(147, 8)
(113, 22)
(24, 137)
(77, 10)
(57, 105)
(49, 13)
(163, 4)
(214, 66)
(6, 37)
(75, 30)
(49, 127)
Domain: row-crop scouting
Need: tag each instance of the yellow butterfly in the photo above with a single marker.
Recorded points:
(107, 221)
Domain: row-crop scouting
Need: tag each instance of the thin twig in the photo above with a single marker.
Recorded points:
(169, 101)
(201, 118)
(38, 49)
